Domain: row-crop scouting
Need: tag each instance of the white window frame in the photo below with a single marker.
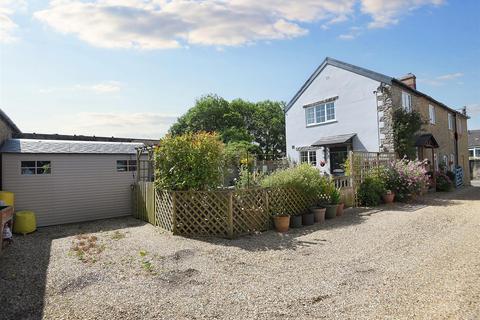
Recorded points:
(450, 121)
(314, 114)
(306, 157)
(406, 101)
(459, 126)
(431, 114)
(130, 166)
(452, 160)
(36, 169)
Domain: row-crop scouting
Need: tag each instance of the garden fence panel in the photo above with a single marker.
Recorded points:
(363, 162)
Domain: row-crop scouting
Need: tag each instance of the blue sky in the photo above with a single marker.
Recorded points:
(130, 67)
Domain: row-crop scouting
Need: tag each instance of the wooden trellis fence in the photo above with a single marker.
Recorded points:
(222, 213)
(362, 163)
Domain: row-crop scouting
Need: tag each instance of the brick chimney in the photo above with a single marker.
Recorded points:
(410, 80)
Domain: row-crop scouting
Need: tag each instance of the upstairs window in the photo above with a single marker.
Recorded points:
(431, 113)
(319, 114)
(406, 101)
(35, 167)
(450, 121)
(126, 165)
(308, 157)
(471, 152)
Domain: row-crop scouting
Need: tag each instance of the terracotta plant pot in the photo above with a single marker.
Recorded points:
(308, 219)
(340, 208)
(281, 222)
(318, 214)
(388, 197)
(331, 211)
(295, 221)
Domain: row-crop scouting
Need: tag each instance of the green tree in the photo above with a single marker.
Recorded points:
(259, 124)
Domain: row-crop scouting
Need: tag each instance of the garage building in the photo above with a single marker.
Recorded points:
(67, 181)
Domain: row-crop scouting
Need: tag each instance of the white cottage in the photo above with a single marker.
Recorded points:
(343, 107)
(66, 181)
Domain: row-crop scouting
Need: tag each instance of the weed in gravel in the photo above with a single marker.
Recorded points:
(118, 235)
(142, 253)
(86, 248)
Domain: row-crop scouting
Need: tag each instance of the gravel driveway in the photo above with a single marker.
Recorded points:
(401, 262)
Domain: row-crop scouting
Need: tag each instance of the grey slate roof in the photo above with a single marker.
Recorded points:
(363, 72)
(331, 140)
(474, 138)
(69, 147)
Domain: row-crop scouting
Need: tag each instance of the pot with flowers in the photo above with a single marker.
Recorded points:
(334, 199)
(318, 209)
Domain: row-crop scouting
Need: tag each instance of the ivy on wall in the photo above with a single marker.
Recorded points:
(406, 126)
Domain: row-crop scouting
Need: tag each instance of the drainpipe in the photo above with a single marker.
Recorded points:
(456, 139)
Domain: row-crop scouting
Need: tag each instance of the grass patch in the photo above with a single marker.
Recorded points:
(118, 235)
(86, 248)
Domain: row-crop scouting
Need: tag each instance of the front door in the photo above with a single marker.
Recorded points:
(338, 156)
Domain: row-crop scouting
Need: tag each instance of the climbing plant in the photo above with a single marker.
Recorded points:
(406, 125)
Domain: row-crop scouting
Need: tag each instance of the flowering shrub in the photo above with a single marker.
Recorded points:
(409, 178)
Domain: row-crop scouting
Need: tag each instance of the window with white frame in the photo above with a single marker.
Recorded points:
(477, 152)
(35, 167)
(321, 113)
(431, 113)
(452, 161)
(126, 165)
(471, 152)
(308, 157)
(450, 121)
(406, 101)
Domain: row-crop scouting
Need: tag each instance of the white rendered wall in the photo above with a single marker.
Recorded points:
(355, 112)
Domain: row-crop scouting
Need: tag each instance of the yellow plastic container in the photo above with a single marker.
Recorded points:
(24, 222)
(8, 198)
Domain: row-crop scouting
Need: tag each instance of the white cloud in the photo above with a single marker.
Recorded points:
(100, 88)
(162, 24)
(387, 12)
(442, 79)
(351, 34)
(7, 25)
(129, 125)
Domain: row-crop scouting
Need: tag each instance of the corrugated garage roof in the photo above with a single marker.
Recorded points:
(68, 146)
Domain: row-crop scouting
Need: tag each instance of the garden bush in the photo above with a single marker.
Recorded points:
(443, 182)
(192, 161)
(451, 175)
(371, 190)
(304, 178)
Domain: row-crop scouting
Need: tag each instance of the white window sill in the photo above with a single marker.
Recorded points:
(321, 124)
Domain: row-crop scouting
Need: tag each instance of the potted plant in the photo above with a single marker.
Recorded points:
(388, 196)
(334, 199)
(296, 221)
(308, 218)
(281, 222)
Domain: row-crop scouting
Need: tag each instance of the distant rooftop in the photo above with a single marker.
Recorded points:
(55, 136)
(68, 146)
(473, 138)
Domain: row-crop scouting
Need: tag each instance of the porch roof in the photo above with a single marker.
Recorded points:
(426, 140)
(334, 140)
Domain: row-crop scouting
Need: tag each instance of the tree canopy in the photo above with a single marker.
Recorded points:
(259, 126)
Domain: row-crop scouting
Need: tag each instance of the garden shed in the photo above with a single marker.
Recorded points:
(65, 181)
